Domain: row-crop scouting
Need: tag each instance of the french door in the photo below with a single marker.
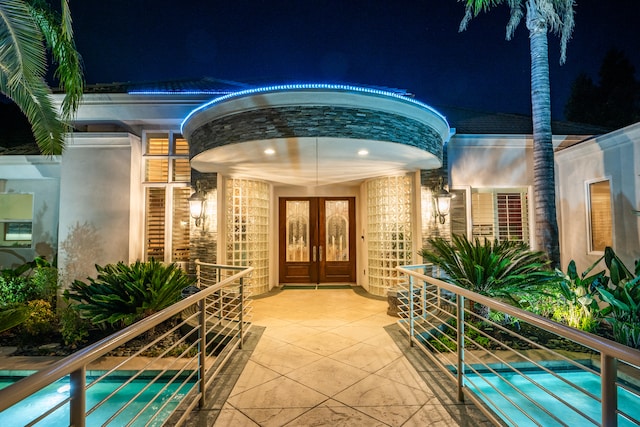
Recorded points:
(317, 239)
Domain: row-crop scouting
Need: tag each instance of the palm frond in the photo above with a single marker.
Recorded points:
(34, 100)
(22, 67)
(58, 36)
(22, 53)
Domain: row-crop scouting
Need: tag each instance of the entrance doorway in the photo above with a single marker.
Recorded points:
(317, 240)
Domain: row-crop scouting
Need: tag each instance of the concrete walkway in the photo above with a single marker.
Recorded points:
(328, 357)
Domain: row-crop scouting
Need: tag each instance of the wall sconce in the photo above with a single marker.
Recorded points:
(442, 200)
(196, 204)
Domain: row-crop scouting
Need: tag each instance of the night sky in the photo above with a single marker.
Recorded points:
(413, 45)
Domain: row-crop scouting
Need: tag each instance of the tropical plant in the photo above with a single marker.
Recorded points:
(122, 294)
(505, 270)
(622, 294)
(579, 293)
(541, 16)
(28, 28)
(12, 315)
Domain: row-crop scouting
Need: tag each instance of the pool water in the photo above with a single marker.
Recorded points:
(627, 401)
(28, 409)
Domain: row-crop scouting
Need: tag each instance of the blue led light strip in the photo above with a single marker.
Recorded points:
(306, 86)
(179, 92)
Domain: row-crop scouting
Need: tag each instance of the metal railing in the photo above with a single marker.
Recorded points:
(518, 367)
(159, 380)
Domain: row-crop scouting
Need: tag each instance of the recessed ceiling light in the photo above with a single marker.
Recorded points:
(363, 152)
(269, 151)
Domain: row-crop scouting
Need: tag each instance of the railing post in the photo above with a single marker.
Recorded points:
(241, 323)
(77, 392)
(608, 378)
(202, 356)
(411, 314)
(198, 273)
(460, 344)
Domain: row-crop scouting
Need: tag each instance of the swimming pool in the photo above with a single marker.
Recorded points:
(161, 391)
(627, 401)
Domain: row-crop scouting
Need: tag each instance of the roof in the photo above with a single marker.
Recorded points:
(204, 85)
(474, 122)
(17, 139)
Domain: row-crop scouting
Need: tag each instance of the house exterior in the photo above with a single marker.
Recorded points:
(306, 183)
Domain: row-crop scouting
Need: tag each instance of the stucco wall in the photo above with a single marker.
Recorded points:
(40, 176)
(490, 160)
(99, 179)
(615, 156)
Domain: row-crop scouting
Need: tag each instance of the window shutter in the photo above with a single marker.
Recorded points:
(154, 227)
(483, 215)
(180, 230)
(600, 215)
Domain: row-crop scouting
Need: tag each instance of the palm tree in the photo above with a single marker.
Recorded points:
(28, 29)
(541, 16)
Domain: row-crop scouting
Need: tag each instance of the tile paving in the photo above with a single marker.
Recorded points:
(330, 357)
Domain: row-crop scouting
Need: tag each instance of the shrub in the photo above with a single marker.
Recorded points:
(45, 283)
(33, 280)
(16, 289)
(122, 294)
(73, 328)
(40, 318)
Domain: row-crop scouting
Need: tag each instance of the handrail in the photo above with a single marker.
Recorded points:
(79, 360)
(426, 309)
(603, 345)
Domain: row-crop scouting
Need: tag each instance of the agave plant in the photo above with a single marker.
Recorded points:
(122, 294)
(502, 270)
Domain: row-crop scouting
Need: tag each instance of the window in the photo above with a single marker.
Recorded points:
(600, 217)
(167, 176)
(500, 214)
(16, 216)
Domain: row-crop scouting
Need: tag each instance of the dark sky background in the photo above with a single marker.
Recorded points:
(408, 44)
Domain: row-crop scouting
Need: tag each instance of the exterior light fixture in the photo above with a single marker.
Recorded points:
(363, 152)
(269, 151)
(442, 200)
(196, 204)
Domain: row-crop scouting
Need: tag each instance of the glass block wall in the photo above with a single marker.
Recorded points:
(247, 229)
(389, 230)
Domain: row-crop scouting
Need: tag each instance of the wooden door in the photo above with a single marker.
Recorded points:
(317, 240)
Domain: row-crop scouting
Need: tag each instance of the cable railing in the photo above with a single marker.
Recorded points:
(178, 353)
(518, 367)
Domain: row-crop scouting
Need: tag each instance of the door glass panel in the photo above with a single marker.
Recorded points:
(297, 230)
(337, 230)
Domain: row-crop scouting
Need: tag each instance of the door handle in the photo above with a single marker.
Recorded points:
(314, 253)
(320, 251)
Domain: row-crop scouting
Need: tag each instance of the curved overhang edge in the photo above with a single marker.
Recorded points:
(440, 124)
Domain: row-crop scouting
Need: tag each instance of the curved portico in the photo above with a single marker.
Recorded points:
(312, 134)
(323, 140)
